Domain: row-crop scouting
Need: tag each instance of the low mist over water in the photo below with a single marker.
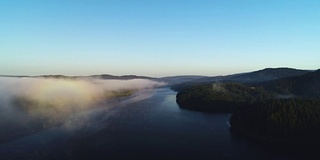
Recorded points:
(30, 104)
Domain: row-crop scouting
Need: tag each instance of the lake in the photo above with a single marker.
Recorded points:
(146, 125)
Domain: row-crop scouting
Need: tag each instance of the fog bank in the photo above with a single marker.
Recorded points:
(31, 104)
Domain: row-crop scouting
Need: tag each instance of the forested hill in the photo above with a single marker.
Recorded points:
(269, 74)
(263, 75)
(307, 85)
(222, 97)
(256, 77)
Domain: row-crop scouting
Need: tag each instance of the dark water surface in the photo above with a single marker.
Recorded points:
(148, 126)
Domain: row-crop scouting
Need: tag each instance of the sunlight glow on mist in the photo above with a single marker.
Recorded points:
(31, 104)
(62, 94)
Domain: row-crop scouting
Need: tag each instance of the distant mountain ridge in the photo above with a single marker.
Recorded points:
(102, 76)
(169, 80)
(263, 75)
(179, 79)
(123, 77)
(306, 85)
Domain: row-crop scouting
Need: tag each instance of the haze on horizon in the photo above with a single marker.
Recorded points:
(157, 38)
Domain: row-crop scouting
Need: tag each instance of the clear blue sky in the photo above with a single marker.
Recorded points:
(157, 37)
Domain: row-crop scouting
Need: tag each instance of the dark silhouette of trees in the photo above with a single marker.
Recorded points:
(284, 119)
(220, 96)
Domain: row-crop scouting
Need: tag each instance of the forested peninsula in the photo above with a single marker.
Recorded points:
(222, 97)
(282, 110)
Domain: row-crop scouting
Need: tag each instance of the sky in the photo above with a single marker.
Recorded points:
(157, 37)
